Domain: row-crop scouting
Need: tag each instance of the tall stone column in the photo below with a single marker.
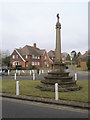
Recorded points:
(58, 40)
(58, 74)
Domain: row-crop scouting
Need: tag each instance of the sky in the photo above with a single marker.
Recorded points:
(24, 23)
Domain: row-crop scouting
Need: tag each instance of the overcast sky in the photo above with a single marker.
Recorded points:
(25, 23)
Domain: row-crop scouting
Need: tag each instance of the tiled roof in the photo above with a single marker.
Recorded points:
(42, 51)
(51, 53)
(85, 55)
(29, 50)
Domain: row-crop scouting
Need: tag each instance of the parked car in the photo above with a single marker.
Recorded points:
(1, 72)
(3, 69)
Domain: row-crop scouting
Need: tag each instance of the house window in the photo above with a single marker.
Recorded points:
(38, 63)
(63, 59)
(13, 56)
(17, 63)
(45, 63)
(45, 57)
(17, 56)
(26, 65)
(38, 57)
(35, 63)
(32, 63)
(13, 63)
(33, 56)
(26, 56)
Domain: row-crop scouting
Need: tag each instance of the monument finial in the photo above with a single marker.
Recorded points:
(58, 25)
(58, 17)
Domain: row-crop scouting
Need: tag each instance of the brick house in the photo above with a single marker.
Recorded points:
(83, 59)
(51, 55)
(30, 56)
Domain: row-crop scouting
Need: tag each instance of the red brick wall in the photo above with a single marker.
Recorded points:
(29, 60)
(43, 60)
(83, 64)
(21, 62)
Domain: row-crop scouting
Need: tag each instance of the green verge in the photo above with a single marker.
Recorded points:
(29, 88)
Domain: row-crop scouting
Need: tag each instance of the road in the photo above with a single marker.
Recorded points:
(82, 75)
(26, 109)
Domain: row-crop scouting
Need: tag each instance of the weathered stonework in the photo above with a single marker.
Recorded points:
(58, 74)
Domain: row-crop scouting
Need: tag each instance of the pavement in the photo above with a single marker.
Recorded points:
(75, 104)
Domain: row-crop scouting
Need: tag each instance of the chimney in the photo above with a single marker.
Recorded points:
(34, 45)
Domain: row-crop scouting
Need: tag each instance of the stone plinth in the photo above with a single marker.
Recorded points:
(60, 76)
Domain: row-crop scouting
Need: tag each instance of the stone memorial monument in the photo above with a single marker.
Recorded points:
(58, 74)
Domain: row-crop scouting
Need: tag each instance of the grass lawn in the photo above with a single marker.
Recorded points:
(73, 67)
(28, 87)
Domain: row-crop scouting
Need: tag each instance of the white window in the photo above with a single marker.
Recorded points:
(26, 56)
(38, 63)
(38, 57)
(17, 63)
(45, 63)
(13, 63)
(32, 63)
(33, 56)
(13, 56)
(52, 58)
(17, 56)
(45, 57)
(63, 59)
(26, 65)
(35, 63)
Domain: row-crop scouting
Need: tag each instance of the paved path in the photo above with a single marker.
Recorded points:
(25, 109)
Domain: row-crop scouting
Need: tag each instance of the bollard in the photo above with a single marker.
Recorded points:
(17, 87)
(42, 71)
(23, 71)
(30, 72)
(8, 72)
(48, 71)
(15, 76)
(56, 91)
(16, 70)
(75, 76)
(19, 72)
(39, 72)
(33, 76)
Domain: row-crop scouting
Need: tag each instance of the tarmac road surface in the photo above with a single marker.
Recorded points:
(12, 108)
(81, 76)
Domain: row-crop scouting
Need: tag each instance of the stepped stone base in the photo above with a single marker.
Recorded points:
(60, 88)
(60, 76)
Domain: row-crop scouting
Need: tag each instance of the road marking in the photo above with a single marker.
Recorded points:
(59, 107)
